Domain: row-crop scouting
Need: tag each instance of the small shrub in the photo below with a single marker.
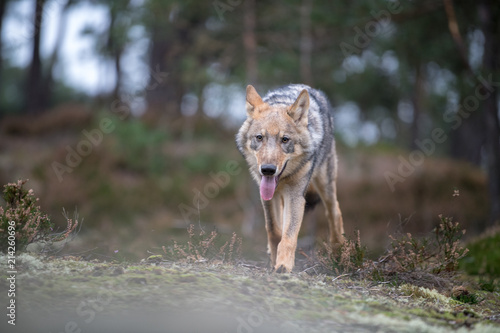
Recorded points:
(346, 257)
(203, 247)
(30, 223)
(449, 251)
(441, 253)
(409, 253)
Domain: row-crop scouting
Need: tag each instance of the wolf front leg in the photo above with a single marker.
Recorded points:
(293, 213)
(273, 214)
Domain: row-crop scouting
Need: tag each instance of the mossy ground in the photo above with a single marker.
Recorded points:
(73, 295)
(484, 254)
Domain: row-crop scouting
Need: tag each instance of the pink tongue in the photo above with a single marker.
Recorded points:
(267, 187)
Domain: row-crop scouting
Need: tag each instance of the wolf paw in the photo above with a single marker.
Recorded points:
(285, 259)
(281, 270)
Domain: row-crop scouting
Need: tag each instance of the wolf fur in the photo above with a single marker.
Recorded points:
(288, 143)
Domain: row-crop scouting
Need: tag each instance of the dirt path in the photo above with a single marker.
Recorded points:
(68, 295)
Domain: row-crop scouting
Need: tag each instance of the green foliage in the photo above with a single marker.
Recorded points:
(29, 221)
(463, 295)
(484, 255)
(139, 146)
(489, 284)
(470, 299)
(11, 98)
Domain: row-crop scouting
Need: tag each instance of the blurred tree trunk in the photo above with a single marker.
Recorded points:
(161, 96)
(490, 25)
(417, 101)
(168, 45)
(468, 139)
(116, 49)
(250, 42)
(54, 57)
(3, 4)
(117, 56)
(35, 98)
(305, 42)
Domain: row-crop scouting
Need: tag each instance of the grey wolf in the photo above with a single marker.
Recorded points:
(288, 143)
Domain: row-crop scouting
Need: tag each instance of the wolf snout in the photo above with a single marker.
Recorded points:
(268, 169)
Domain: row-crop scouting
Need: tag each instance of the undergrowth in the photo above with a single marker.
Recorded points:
(437, 253)
(440, 252)
(346, 257)
(203, 247)
(23, 220)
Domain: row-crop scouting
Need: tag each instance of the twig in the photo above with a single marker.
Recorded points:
(340, 276)
(250, 266)
(313, 267)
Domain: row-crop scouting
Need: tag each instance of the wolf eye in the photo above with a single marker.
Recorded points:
(285, 139)
(259, 137)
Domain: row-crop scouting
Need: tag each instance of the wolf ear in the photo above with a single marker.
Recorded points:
(298, 111)
(253, 100)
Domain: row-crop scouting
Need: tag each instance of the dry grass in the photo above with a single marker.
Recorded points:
(203, 247)
(61, 118)
(436, 254)
(429, 262)
(347, 257)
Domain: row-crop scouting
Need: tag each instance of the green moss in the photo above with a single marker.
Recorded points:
(484, 256)
(58, 285)
(154, 258)
(424, 293)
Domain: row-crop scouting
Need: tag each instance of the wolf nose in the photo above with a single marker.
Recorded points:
(268, 169)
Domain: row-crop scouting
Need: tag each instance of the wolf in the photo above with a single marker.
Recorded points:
(288, 143)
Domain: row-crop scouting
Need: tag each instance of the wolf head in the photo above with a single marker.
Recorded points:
(273, 138)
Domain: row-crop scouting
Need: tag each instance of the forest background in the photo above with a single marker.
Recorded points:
(126, 111)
